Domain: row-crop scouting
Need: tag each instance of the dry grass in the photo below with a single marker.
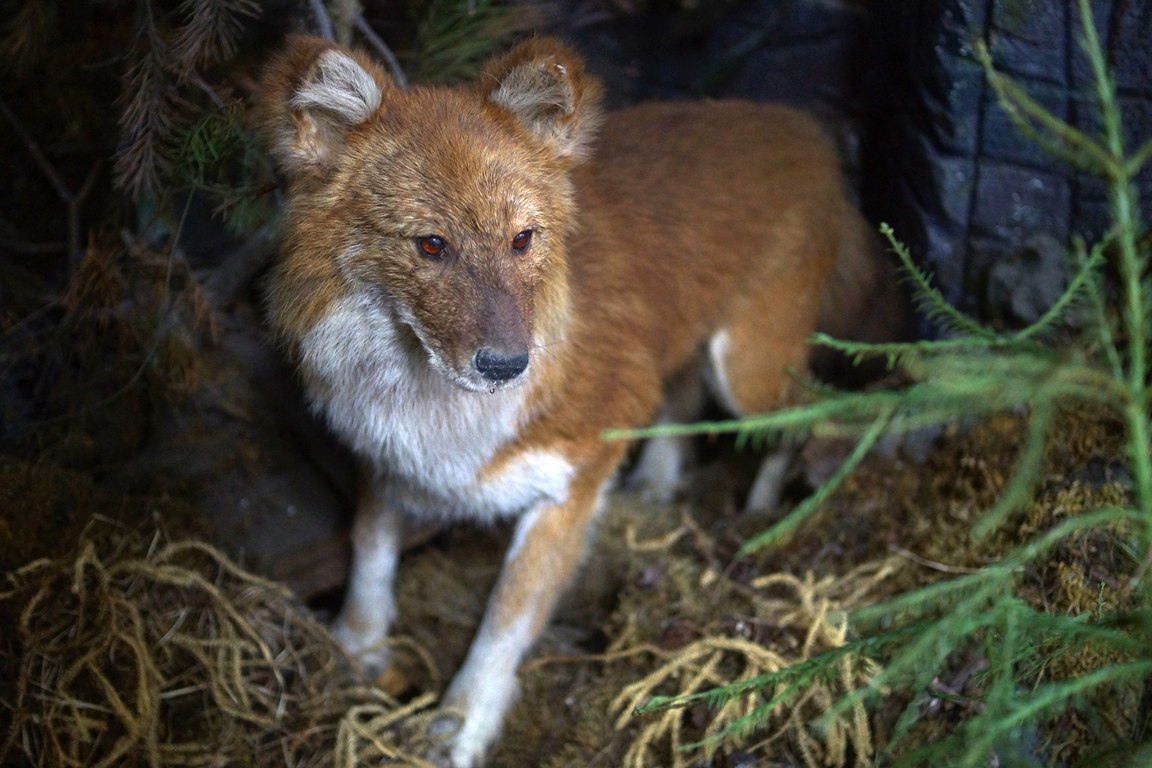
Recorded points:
(175, 656)
(812, 608)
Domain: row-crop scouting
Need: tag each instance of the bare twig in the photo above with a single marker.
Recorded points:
(323, 22)
(241, 266)
(942, 567)
(34, 150)
(197, 80)
(343, 14)
(33, 248)
(75, 237)
(72, 200)
(382, 48)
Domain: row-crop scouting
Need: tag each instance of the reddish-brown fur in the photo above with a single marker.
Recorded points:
(684, 234)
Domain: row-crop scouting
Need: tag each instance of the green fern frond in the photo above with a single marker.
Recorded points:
(928, 298)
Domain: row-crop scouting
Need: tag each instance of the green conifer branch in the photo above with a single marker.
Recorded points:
(806, 508)
(981, 740)
(1022, 480)
(1101, 322)
(929, 299)
(1043, 128)
(1138, 160)
(1137, 305)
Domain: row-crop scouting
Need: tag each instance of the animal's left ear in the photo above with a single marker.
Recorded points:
(543, 85)
(312, 96)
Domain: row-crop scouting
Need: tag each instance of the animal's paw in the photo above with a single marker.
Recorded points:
(458, 742)
(370, 651)
(441, 733)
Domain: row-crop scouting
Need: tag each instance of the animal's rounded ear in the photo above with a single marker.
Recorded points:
(542, 83)
(310, 97)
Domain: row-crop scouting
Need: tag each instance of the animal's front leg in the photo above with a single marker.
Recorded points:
(370, 602)
(546, 550)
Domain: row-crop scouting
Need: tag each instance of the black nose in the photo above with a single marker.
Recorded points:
(496, 366)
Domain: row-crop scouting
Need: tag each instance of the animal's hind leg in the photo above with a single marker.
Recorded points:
(750, 376)
(757, 356)
(769, 482)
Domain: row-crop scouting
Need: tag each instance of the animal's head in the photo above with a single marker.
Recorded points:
(447, 207)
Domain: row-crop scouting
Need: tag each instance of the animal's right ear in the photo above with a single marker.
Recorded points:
(310, 97)
(542, 84)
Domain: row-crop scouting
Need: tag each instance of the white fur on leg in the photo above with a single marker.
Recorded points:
(483, 691)
(769, 482)
(717, 373)
(370, 605)
(660, 467)
(486, 685)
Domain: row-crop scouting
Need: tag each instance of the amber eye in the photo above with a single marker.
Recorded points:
(521, 241)
(432, 246)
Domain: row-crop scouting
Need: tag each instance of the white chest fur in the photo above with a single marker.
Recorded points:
(429, 438)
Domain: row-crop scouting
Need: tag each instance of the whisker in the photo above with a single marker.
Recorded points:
(549, 348)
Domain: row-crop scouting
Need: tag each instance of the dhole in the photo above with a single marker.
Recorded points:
(477, 281)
